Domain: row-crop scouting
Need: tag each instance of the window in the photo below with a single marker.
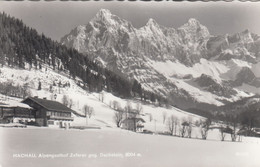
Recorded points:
(50, 122)
(8, 109)
(48, 113)
(65, 114)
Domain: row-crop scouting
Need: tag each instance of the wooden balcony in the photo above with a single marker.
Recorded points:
(60, 118)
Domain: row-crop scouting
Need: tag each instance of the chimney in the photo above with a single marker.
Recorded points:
(36, 97)
(45, 98)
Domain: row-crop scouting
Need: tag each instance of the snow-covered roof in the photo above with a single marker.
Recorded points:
(49, 104)
(136, 119)
(14, 104)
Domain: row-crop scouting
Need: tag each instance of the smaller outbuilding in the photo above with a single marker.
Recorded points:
(16, 112)
(135, 124)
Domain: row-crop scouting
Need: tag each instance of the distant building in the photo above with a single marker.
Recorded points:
(135, 124)
(17, 112)
(50, 113)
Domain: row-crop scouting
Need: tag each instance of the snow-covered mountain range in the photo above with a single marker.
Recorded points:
(188, 65)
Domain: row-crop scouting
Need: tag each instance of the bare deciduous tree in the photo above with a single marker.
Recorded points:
(65, 100)
(88, 111)
(101, 96)
(233, 121)
(128, 109)
(25, 90)
(234, 134)
(139, 108)
(183, 127)
(118, 117)
(175, 127)
(204, 128)
(189, 127)
(171, 123)
(222, 133)
(164, 114)
(70, 104)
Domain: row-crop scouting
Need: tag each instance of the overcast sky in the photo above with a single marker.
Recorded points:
(55, 19)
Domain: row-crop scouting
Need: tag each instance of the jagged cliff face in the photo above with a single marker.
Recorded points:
(172, 62)
(107, 31)
(244, 46)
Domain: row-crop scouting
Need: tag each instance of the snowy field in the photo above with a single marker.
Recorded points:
(110, 147)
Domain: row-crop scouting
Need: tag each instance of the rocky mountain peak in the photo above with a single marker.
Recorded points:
(151, 22)
(193, 26)
(104, 18)
(193, 22)
(103, 13)
(152, 26)
(246, 36)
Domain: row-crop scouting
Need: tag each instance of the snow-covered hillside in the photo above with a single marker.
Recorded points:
(98, 148)
(103, 113)
(166, 60)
